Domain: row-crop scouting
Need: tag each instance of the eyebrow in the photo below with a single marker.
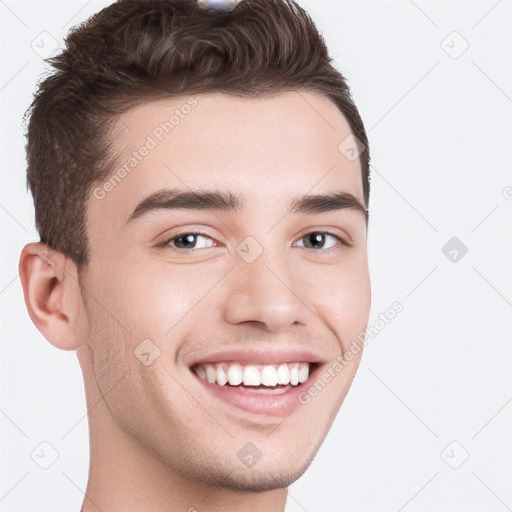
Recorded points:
(176, 199)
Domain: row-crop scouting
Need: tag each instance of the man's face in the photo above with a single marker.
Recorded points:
(218, 291)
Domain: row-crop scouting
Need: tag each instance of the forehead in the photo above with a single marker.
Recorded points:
(262, 149)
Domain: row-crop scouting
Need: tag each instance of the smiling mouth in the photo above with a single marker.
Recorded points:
(260, 378)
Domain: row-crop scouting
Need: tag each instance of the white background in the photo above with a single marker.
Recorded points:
(440, 136)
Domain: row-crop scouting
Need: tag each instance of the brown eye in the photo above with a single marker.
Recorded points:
(189, 241)
(321, 240)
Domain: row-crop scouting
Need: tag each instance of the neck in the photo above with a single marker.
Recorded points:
(125, 476)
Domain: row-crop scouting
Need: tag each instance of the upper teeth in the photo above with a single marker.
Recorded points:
(254, 374)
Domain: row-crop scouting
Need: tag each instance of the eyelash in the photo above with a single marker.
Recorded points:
(166, 243)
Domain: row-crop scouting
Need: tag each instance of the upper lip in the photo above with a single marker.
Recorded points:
(259, 355)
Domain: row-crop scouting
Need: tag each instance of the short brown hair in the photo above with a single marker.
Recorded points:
(135, 51)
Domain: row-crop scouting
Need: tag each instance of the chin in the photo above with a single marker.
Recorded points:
(276, 472)
(249, 480)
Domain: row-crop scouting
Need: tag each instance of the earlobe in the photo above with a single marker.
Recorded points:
(52, 295)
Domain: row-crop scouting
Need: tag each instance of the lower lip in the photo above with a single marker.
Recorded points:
(277, 405)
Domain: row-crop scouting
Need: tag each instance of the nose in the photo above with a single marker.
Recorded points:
(266, 295)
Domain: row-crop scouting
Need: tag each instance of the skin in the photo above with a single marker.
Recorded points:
(157, 442)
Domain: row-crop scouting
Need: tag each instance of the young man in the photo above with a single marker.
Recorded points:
(200, 179)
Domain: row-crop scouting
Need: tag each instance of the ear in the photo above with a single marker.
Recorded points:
(52, 295)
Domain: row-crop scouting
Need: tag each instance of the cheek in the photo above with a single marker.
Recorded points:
(342, 300)
(159, 301)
